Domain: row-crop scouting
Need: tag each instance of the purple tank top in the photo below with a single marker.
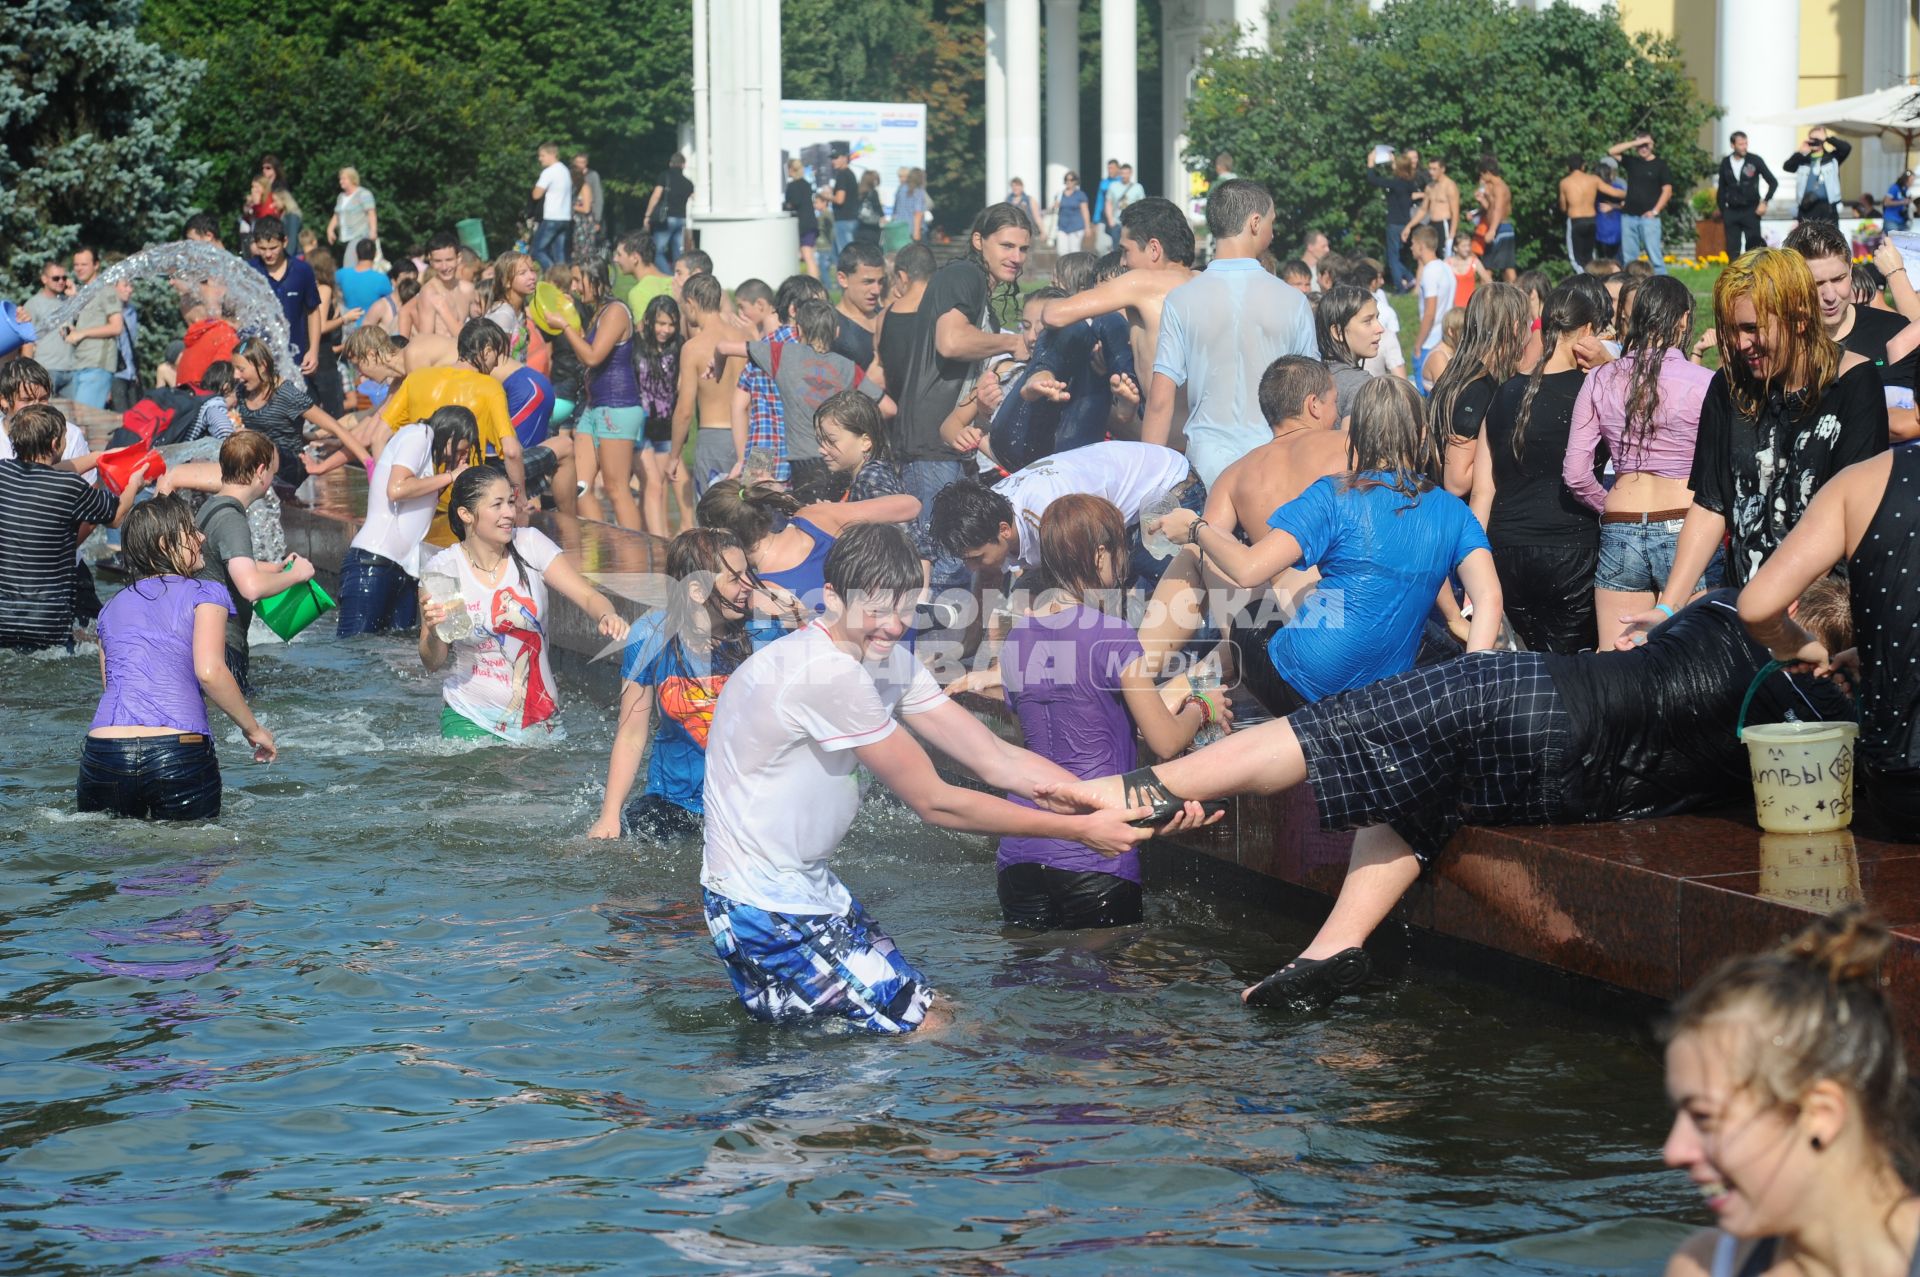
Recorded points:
(612, 384)
(146, 636)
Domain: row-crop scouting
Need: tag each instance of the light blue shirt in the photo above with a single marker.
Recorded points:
(1218, 333)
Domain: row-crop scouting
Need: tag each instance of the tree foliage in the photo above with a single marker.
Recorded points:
(90, 116)
(1454, 78)
(439, 105)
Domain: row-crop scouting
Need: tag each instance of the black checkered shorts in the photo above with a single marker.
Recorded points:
(1482, 739)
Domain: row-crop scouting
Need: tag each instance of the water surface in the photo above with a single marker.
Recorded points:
(393, 1015)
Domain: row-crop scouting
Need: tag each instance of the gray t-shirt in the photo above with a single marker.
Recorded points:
(49, 347)
(1348, 381)
(225, 523)
(806, 379)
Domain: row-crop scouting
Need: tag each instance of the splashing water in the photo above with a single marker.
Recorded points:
(217, 277)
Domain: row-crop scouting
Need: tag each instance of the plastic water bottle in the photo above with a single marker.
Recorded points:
(1205, 677)
(1156, 542)
(444, 589)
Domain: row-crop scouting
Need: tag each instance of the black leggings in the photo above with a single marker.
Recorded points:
(1042, 898)
(1549, 595)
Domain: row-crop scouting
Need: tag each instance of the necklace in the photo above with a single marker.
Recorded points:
(1293, 430)
(490, 573)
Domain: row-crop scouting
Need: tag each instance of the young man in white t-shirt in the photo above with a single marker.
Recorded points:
(1436, 295)
(790, 728)
(554, 191)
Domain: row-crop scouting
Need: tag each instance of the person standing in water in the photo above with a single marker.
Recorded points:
(499, 681)
(678, 659)
(1791, 1111)
(792, 725)
(163, 648)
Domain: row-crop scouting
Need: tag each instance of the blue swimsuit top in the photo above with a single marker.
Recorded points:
(806, 579)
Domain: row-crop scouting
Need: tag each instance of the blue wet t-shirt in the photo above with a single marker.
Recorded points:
(1382, 556)
(686, 686)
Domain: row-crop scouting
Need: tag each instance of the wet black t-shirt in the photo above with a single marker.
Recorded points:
(928, 385)
(1653, 729)
(1470, 407)
(1885, 596)
(853, 341)
(1760, 473)
(1531, 504)
(1872, 330)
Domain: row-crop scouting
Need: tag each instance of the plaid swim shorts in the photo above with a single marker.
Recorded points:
(789, 965)
(1482, 739)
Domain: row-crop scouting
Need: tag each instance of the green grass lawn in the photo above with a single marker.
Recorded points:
(1699, 279)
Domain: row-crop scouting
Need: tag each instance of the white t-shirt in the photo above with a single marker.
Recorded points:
(1436, 281)
(1390, 355)
(556, 200)
(499, 677)
(1127, 474)
(395, 531)
(75, 446)
(781, 788)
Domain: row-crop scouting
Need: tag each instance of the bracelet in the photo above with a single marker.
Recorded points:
(1193, 533)
(1208, 714)
(1665, 607)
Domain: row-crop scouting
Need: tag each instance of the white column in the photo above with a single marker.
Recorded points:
(1023, 95)
(736, 164)
(1251, 17)
(1119, 81)
(997, 171)
(1063, 94)
(1183, 25)
(1883, 64)
(1756, 71)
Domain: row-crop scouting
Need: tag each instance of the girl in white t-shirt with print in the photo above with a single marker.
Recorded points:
(499, 682)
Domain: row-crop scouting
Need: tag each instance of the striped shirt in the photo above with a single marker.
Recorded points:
(279, 417)
(40, 510)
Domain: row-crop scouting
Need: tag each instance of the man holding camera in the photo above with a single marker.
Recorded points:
(1818, 163)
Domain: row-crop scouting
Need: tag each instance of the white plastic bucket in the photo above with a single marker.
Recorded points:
(1802, 775)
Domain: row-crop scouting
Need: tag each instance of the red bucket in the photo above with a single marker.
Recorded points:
(120, 465)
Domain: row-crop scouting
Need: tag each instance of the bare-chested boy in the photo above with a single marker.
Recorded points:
(445, 301)
(1495, 198)
(722, 444)
(1439, 203)
(1156, 245)
(1298, 399)
(1579, 190)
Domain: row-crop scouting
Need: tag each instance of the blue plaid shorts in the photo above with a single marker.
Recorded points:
(789, 965)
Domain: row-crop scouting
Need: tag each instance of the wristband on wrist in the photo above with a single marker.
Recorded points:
(1208, 714)
(1664, 607)
(1193, 533)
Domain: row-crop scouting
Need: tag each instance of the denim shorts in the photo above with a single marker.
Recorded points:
(796, 965)
(150, 777)
(1636, 558)
(613, 423)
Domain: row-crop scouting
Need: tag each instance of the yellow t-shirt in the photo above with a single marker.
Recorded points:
(422, 392)
(644, 291)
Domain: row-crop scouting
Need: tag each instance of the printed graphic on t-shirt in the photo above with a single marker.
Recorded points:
(689, 702)
(517, 637)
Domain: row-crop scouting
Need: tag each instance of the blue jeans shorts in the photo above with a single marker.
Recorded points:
(150, 777)
(612, 423)
(789, 966)
(1636, 558)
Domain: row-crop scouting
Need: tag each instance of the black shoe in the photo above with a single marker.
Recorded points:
(1313, 981)
(1142, 788)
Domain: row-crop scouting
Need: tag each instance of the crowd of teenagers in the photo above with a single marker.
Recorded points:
(1535, 579)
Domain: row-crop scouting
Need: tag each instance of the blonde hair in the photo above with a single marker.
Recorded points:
(351, 173)
(1781, 288)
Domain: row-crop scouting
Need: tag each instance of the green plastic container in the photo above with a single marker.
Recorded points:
(473, 235)
(895, 236)
(293, 610)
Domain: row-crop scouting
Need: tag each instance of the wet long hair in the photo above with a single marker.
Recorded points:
(156, 538)
(1073, 531)
(1391, 432)
(1814, 1009)
(1569, 309)
(654, 356)
(1780, 286)
(254, 351)
(456, 438)
(1003, 299)
(749, 512)
(1493, 339)
(466, 490)
(1338, 307)
(505, 267)
(698, 555)
(1662, 319)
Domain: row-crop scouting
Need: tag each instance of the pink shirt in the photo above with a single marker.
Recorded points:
(1601, 413)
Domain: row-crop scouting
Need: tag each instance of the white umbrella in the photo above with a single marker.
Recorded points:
(1893, 112)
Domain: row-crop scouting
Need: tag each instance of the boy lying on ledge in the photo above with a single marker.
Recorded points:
(1499, 738)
